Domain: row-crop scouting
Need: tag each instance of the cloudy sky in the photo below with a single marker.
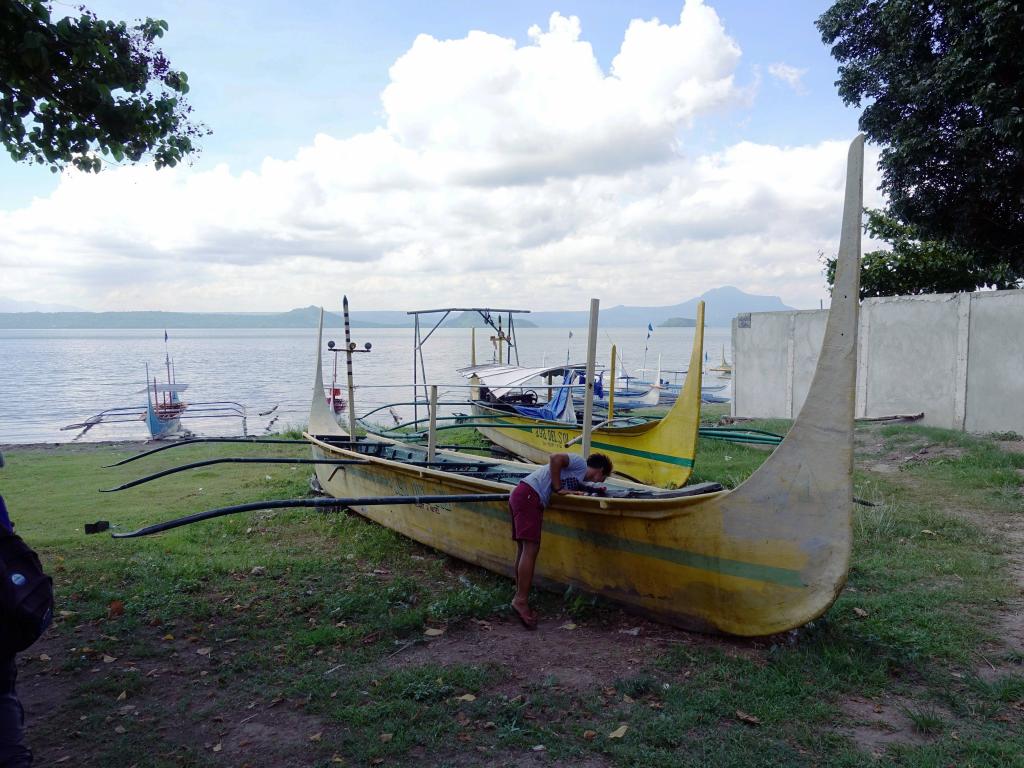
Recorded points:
(529, 154)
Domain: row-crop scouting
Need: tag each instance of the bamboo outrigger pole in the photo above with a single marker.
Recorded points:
(318, 502)
(193, 440)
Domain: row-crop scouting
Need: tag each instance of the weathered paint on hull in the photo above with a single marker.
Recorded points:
(660, 453)
(671, 559)
(766, 557)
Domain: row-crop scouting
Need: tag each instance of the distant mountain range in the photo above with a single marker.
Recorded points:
(721, 305)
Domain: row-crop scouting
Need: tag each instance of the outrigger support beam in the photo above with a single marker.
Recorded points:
(229, 460)
(192, 440)
(317, 502)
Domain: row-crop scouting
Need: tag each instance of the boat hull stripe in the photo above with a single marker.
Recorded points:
(664, 458)
(767, 573)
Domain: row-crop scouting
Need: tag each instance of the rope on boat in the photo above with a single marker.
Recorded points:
(229, 460)
(318, 502)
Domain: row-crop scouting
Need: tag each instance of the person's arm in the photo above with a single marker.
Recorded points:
(556, 463)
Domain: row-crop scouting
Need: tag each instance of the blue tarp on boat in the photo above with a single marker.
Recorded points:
(558, 408)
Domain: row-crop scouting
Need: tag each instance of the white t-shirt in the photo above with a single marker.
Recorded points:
(540, 480)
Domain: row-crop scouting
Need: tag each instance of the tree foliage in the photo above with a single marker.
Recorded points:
(74, 89)
(942, 82)
(916, 265)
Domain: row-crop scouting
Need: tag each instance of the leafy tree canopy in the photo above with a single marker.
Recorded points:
(943, 86)
(74, 89)
(917, 265)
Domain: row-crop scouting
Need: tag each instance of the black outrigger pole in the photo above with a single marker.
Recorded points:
(317, 502)
(192, 440)
(230, 460)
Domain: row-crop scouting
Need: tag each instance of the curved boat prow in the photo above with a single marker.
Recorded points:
(801, 498)
(321, 418)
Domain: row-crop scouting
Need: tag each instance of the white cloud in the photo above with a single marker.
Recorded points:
(501, 174)
(788, 75)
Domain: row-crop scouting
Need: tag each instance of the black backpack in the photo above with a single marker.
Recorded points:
(26, 595)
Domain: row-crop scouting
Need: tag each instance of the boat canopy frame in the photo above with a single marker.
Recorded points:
(491, 317)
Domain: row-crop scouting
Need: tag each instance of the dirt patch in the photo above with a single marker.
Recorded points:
(1011, 446)
(894, 461)
(529, 759)
(560, 653)
(71, 694)
(879, 723)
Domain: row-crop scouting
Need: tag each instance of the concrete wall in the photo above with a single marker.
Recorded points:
(959, 358)
(995, 367)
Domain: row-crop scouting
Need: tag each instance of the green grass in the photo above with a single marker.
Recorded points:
(304, 613)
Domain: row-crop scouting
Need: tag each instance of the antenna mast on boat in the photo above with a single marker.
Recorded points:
(349, 346)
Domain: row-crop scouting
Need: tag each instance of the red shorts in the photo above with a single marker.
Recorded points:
(527, 513)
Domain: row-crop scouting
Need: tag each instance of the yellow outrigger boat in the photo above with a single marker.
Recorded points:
(766, 557)
(657, 452)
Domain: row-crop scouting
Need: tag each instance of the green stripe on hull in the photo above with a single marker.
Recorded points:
(665, 459)
(767, 573)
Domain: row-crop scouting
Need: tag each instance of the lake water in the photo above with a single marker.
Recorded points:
(51, 378)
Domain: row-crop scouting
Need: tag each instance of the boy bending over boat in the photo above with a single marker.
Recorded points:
(563, 475)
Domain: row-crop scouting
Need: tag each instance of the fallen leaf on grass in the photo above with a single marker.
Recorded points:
(337, 759)
(634, 631)
(122, 696)
(619, 732)
(119, 729)
(168, 636)
(466, 697)
(433, 632)
(589, 735)
(115, 609)
(747, 718)
(627, 698)
(316, 736)
(926, 532)
(108, 659)
(218, 747)
(539, 748)
(568, 625)
(44, 657)
(203, 651)
(860, 612)
(386, 737)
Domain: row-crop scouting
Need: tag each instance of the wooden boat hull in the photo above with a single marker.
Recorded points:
(766, 557)
(162, 424)
(683, 561)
